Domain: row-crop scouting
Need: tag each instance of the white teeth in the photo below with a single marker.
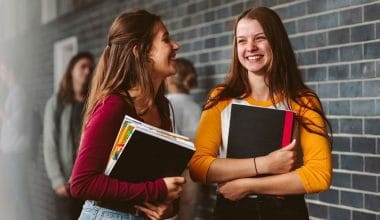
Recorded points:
(256, 57)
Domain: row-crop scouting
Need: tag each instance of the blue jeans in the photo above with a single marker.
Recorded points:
(91, 211)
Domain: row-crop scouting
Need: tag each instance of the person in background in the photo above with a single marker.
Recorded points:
(186, 117)
(15, 139)
(128, 81)
(62, 129)
(263, 73)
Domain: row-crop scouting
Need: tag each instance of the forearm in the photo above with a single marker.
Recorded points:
(282, 184)
(226, 169)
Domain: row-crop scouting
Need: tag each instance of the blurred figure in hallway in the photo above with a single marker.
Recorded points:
(62, 131)
(186, 116)
(15, 140)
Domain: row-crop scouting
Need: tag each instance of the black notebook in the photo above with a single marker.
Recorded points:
(256, 131)
(142, 153)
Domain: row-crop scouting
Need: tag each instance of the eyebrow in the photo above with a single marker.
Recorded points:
(254, 35)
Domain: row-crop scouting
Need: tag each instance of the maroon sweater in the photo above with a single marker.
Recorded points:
(88, 180)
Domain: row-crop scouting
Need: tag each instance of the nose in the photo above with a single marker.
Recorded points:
(175, 45)
(252, 45)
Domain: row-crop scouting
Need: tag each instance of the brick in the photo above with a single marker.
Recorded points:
(307, 24)
(205, 31)
(351, 89)
(363, 33)
(224, 40)
(298, 43)
(217, 28)
(236, 9)
(372, 126)
(290, 27)
(338, 213)
(197, 45)
(340, 36)
(341, 144)
(335, 161)
(223, 13)
(191, 8)
(351, 16)
(328, 90)
(327, 20)
(296, 10)
(210, 43)
(363, 216)
(364, 182)
(316, 40)
(306, 58)
(203, 58)
(202, 5)
(330, 55)
(372, 164)
(371, 50)
(350, 53)
(338, 72)
(186, 22)
(351, 126)
(340, 107)
(314, 196)
(334, 124)
(342, 180)
(363, 70)
(209, 16)
(349, 162)
(330, 196)
(318, 211)
(363, 107)
(364, 145)
(185, 47)
(215, 3)
(317, 74)
(352, 199)
(191, 34)
(371, 88)
(222, 68)
(316, 6)
(266, 3)
(371, 12)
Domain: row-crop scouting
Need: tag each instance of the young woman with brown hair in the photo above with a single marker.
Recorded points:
(263, 73)
(61, 132)
(128, 81)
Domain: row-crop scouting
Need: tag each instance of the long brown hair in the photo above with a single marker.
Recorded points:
(125, 63)
(283, 76)
(66, 91)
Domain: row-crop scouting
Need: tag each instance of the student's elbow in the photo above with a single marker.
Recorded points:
(198, 169)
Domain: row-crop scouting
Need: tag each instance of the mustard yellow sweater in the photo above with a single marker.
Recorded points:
(210, 143)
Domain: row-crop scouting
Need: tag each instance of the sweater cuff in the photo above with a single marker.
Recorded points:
(57, 182)
(161, 189)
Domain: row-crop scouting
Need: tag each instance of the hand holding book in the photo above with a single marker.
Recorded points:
(279, 161)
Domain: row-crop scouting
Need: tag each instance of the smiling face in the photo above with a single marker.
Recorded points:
(163, 53)
(253, 49)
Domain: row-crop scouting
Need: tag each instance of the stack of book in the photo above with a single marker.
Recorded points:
(142, 152)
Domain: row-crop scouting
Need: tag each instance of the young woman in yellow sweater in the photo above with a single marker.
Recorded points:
(263, 73)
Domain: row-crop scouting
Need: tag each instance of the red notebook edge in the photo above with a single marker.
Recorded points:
(288, 128)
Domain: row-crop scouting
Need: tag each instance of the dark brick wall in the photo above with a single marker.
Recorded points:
(338, 49)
